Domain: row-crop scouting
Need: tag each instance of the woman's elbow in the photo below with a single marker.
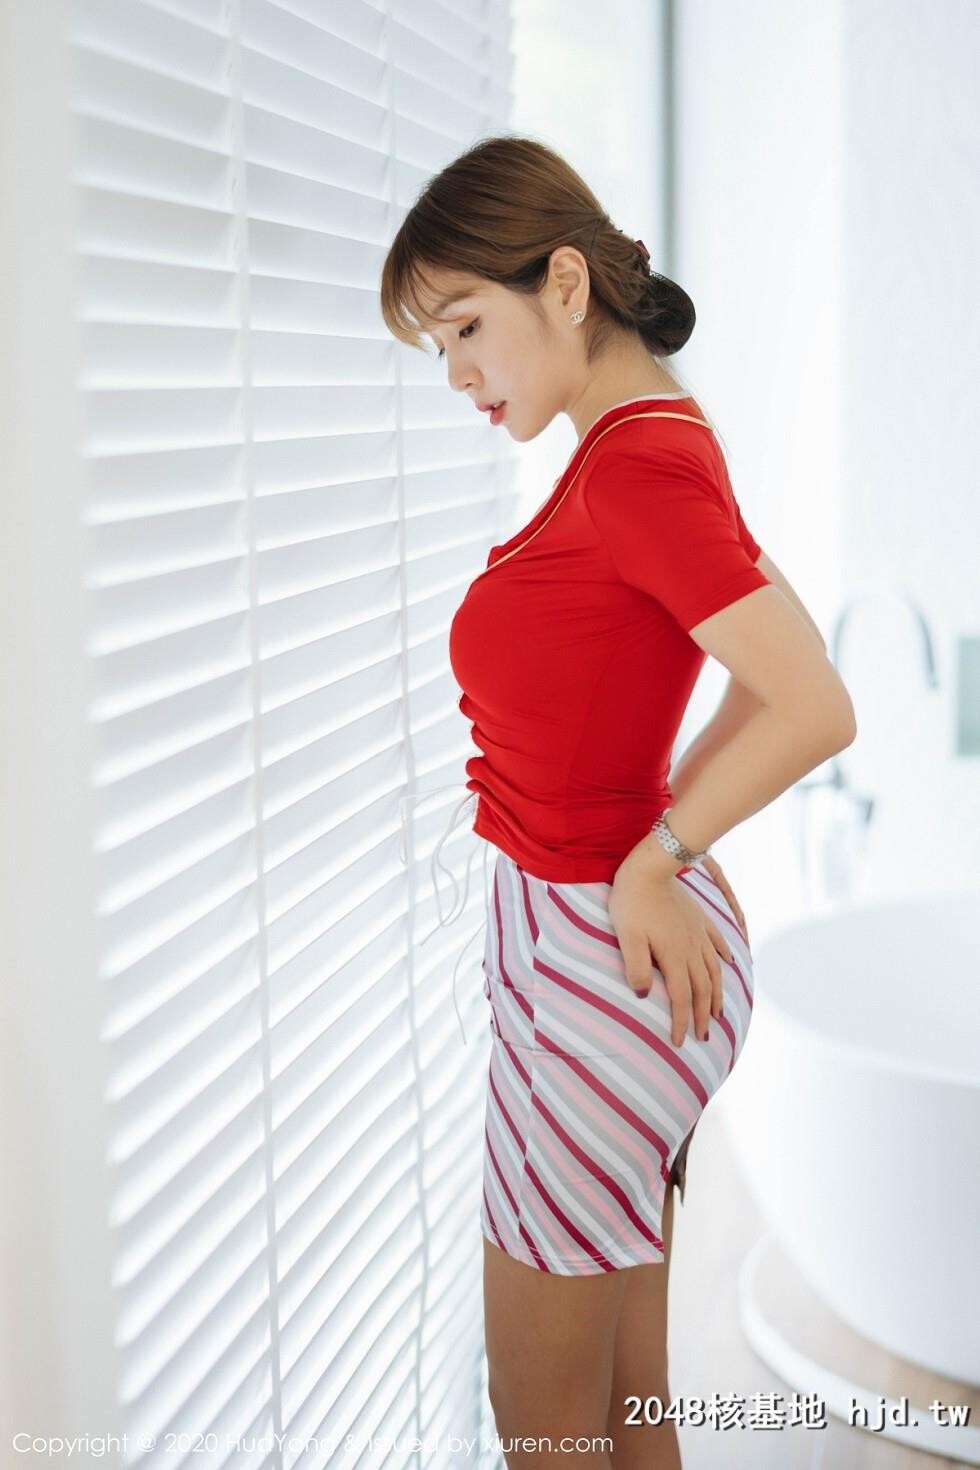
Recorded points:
(824, 722)
(843, 724)
(837, 707)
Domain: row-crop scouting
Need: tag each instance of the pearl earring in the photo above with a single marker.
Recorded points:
(577, 316)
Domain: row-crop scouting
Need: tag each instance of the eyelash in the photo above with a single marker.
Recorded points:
(442, 350)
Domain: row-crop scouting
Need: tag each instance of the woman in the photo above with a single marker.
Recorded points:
(617, 960)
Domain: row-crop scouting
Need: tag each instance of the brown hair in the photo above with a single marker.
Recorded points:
(497, 212)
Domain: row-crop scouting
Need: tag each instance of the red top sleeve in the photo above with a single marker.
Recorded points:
(745, 535)
(673, 529)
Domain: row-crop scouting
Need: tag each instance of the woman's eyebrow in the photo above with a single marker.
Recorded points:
(440, 306)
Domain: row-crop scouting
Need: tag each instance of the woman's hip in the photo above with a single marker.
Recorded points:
(556, 981)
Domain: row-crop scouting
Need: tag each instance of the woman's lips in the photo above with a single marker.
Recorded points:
(496, 414)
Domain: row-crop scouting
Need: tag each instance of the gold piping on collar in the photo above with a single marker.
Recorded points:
(607, 430)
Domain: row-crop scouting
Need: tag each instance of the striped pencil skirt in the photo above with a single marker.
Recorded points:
(590, 1107)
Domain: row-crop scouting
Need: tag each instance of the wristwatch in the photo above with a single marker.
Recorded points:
(668, 841)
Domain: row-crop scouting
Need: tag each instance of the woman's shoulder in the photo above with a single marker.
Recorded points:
(658, 432)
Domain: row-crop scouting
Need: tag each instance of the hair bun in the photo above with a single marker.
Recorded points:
(665, 315)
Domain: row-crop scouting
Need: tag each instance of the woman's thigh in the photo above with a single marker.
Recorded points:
(565, 1354)
(550, 1344)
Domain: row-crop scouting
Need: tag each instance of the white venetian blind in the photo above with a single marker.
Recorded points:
(284, 508)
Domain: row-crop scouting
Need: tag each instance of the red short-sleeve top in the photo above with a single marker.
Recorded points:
(572, 647)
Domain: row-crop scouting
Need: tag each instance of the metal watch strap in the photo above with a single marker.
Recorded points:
(672, 844)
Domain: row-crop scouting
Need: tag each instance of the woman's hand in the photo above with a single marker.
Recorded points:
(656, 916)
(713, 868)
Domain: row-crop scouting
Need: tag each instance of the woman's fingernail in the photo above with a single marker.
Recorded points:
(643, 993)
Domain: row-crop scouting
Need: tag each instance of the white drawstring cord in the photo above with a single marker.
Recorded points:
(482, 925)
(436, 863)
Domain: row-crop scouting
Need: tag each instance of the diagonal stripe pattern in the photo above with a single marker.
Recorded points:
(590, 1107)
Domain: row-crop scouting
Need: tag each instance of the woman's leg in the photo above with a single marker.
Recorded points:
(587, 1099)
(549, 1343)
(640, 1366)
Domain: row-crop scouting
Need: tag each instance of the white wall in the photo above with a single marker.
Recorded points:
(911, 429)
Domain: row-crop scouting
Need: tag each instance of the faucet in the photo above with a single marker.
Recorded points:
(836, 777)
(841, 620)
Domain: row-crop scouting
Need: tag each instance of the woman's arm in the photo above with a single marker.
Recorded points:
(738, 704)
(803, 715)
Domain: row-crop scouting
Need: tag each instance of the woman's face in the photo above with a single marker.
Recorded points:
(495, 347)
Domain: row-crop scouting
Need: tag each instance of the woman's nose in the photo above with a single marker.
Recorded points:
(460, 378)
